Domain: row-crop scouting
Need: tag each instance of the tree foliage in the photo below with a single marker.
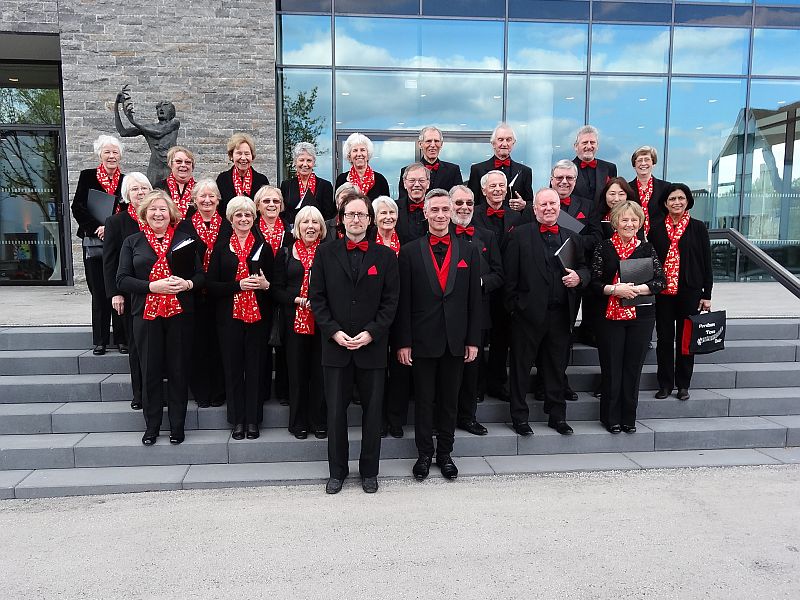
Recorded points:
(299, 124)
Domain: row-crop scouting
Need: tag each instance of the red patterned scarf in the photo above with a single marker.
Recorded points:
(614, 310)
(242, 186)
(274, 237)
(672, 264)
(183, 200)
(394, 241)
(132, 214)
(645, 195)
(160, 305)
(207, 234)
(303, 317)
(363, 183)
(310, 186)
(245, 306)
(109, 184)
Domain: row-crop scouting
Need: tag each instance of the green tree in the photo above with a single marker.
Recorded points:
(298, 123)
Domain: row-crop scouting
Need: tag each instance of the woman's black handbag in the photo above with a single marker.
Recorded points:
(276, 333)
(703, 333)
(92, 248)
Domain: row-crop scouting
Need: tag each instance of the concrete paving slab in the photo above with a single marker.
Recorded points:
(27, 418)
(9, 480)
(784, 455)
(558, 463)
(715, 432)
(39, 362)
(49, 483)
(111, 362)
(499, 441)
(116, 387)
(764, 375)
(38, 451)
(703, 403)
(762, 329)
(743, 351)
(50, 388)
(216, 417)
(587, 378)
(700, 458)
(255, 474)
(125, 449)
(792, 424)
(99, 417)
(746, 402)
(278, 445)
(45, 338)
(589, 437)
(468, 466)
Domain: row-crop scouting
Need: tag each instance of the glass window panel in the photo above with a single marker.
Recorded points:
(630, 48)
(390, 155)
(545, 111)
(777, 17)
(769, 52)
(705, 128)
(303, 5)
(29, 94)
(712, 50)
(629, 112)
(531, 46)
(561, 10)
(384, 7)
(306, 114)
(641, 12)
(464, 8)
(713, 15)
(419, 43)
(779, 2)
(305, 40)
(409, 100)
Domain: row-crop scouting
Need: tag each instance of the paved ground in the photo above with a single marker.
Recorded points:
(730, 533)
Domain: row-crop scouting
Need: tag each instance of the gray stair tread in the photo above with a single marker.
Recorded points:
(739, 329)
(32, 408)
(709, 424)
(547, 463)
(762, 367)
(784, 455)
(45, 483)
(761, 393)
(9, 480)
(701, 458)
(41, 441)
(134, 438)
(589, 437)
(788, 421)
(42, 354)
(31, 338)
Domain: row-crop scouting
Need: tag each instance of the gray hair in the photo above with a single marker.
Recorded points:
(130, 179)
(104, 140)
(564, 164)
(384, 200)
(462, 188)
(416, 165)
(543, 190)
(340, 191)
(502, 125)
(485, 178)
(357, 139)
(240, 203)
(431, 128)
(301, 147)
(435, 193)
(587, 129)
(205, 183)
(313, 212)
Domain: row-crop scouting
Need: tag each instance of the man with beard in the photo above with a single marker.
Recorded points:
(519, 177)
(444, 175)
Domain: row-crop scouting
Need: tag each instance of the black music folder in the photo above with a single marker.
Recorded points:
(636, 271)
(182, 259)
(254, 263)
(567, 221)
(567, 254)
(100, 205)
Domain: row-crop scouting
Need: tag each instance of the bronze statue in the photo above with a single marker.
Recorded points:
(160, 136)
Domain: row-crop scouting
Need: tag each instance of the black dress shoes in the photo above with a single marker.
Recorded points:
(176, 436)
(136, 404)
(300, 434)
(474, 428)
(448, 467)
(123, 348)
(99, 350)
(203, 403)
(283, 402)
(629, 428)
(334, 486)
(396, 431)
(238, 432)
(422, 467)
(218, 401)
(321, 434)
(614, 429)
(252, 432)
(570, 395)
(522, 429)
(683, 394)
(561, 427)
(384, 431)
(149, 438)
(663, 393)
(369, 484)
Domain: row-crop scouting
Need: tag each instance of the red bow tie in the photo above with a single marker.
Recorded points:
(592, 163)
(412, 206)
(445, 239)
(550, 228)
(469, 230)
(362, 245)
(566, 201)
(432, 166)
(502, 163)
(498, 212)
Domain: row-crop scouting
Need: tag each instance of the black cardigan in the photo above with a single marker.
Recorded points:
(323, 199)
(379, 188)
(87, 224)
(695, 276)
(227, 191)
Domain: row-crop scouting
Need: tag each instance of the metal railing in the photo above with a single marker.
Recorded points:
(782, 275)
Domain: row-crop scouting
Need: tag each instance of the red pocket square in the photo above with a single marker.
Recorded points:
(581, 215)
(462, 264)
(484, 249)
(372, 270)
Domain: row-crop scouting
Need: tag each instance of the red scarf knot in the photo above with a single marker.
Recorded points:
(303, 317)
(614, 309)
(160, 305)
(245, 305)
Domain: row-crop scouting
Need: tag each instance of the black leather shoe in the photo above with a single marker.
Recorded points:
(203, 403)
(149, 438)
(252, 432)
(238, 432)
(663, 393)
(570, 395)
(283, 402)
(561, 427)
(321, 434)
(123, 348)
(136, 404)
(629, 428)
(334, 486)
(176, 436)
(396, 431)
(300, 434)
(384, 431)
(218, 401)
(614, 429)
(369, 484)
(99, 350)
(474, 428)
(448, 467)
(422, 467)
(522, 429)
(683, 394)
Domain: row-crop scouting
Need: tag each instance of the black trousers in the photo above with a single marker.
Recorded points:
(526, 341)
(622, 348)
(468, 392)
(436, 383)
(165, 346)
(243, 347)
(207, 380)
(306, 400)
(134, 361)
(674, 369)
(102, 313)
(397, 392)
(338, 388)
(499, 344)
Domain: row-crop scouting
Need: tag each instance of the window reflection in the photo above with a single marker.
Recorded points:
(305, 40)
(532, 46)
(769, 52)
(630, 48)
(716, 50)
(29, 94)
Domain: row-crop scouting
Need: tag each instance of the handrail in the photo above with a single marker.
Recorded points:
(781, 274)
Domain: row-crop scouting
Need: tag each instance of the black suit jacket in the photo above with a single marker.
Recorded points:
(227, 191)
(379, 188)
(602, 173)
(118, 228)
(87, 180)
(445, 177)
(527, 280)
(367, 304)
(323, 199)
(431, 321)
(585, 211)
(695, 276)
(410, 224)
(511, 219)
(491, 267)
(187, 227)
(523, 184)
(654, 210)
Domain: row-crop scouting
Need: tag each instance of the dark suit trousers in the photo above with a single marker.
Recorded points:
(134, 361)
(281, 372)
(102, 313)
(468, 393)
(526, 341)
(397, 393)
(499, 344)
(304, 362)
(243, 347)
(674, 369)
(165, 347)
(436, 383)
(338, 389)
(622, 348)
(207, 381)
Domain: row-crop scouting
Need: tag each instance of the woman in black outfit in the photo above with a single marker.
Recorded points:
(305, 188)
(241, 179)
(302, 338)
(118, 227)
(106, 177)
(238, 276)
(646, 188)
(358, 149)
(163, 307)
(625, 332)
(683, 246)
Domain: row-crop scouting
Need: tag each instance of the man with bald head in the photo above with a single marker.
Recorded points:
(519, 177)
(592, 171)
(443, 174)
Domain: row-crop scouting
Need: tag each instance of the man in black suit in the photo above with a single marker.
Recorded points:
(518, 176)
(444, 175)
(592, 172)
(354, 292)
(491, 280)
(437, 328)
(411, 222)
(540, 295)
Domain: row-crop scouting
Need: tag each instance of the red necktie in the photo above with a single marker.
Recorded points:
(592, 163)
(362, 245)
(412, 206)
(566, 201)
(495, 212)
(502, 163)
(440, 240)
(550, 228)
(470, 230)
(432, 167)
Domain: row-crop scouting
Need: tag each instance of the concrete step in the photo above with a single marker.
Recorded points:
(53, 388)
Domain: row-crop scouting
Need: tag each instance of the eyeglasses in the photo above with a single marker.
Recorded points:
(463, 202)
(563, 177)
(354, 215)
(419, 181)
(271, 200)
